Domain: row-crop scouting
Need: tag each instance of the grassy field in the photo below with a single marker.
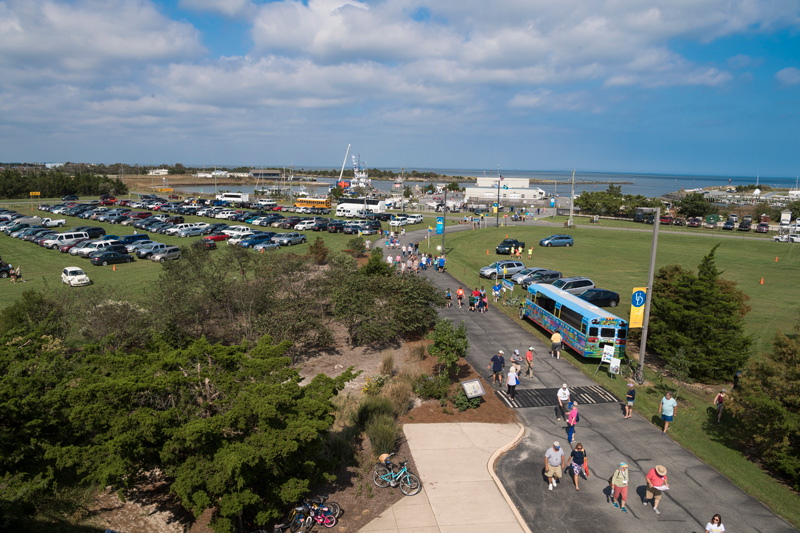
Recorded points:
(619, 260)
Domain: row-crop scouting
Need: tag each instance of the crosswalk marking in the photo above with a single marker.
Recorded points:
(547, 397)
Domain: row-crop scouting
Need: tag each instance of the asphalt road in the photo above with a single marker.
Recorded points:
(697, 491)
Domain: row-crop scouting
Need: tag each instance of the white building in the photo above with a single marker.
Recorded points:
(515, 191)
(158, 172)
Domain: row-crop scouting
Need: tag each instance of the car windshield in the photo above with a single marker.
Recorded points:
(77, 272)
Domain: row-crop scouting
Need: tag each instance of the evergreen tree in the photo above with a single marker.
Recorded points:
(703, 315)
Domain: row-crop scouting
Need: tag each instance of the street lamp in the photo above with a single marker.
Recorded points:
(497, 207)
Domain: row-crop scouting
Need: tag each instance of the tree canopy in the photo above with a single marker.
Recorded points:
(612, 202)
(695, 205)
(703, 315)
(57, 183)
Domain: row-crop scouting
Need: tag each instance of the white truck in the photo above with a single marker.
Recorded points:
(44, 222)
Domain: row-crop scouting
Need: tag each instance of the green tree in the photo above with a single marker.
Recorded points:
(767, 402)
(695, 205)
(376, 266)
(336, 193)
(703, 315)
(449, 345)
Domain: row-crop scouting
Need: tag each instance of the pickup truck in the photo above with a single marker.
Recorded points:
(50, 223)
(505, 246)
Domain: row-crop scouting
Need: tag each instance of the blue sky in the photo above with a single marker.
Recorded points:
(679, 86)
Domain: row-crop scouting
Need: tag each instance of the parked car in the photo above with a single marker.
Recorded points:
(167, 254)
(502, 269)
(543, 276)
(520, 276)
(557, 240)
(266, 246)
(792, 237)
(399, 220)
(216, 237)
(204, 244)
(75, 277)
(5, 270)
(666, 219)
(288, 239)
(507, 244)
(133, 246)
(574, 285)
(70, 198)
(305, 225)
(695, 222)
(335, 226)
(729, 225)
(762, 227)
(146, 251)
(600, 297)
(744, 225)
(251, 240)
(110, 258)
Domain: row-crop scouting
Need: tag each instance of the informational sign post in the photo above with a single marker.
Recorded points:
(615, 364)
(608, 358)
(473, 388)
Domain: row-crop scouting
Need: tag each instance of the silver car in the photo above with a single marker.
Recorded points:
(167, 254)
(502, 269)
(288, 239)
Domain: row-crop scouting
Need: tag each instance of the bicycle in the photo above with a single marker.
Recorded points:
(388, 474)
(327, 507)
(513, 301)
(631, 370)
(303, 517)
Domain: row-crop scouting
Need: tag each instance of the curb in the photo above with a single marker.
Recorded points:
(490, 467)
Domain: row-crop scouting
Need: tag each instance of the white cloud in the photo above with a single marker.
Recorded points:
(788, 76)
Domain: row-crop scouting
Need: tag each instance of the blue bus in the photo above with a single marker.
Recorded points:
(584, 327)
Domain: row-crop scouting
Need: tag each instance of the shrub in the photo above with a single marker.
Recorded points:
(462, 403)
(373, 385)
(399, 393)
(318, 251)
(372, 407)
(417, 352)
(387, 365)
(383, 433)
(432, 387)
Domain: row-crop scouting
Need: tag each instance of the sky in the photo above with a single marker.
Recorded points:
(675, 86)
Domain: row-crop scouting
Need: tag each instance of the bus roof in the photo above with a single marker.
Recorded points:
(589, 310)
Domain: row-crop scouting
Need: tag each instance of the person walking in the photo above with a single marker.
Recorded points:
(441, 264)
(553, 464)
(715, 525)
(563, 401)
(512, 380)
(578, 464)
(555, 344)
(668, 408)
(516, 361)
(656, 485)
(529, 362)
(449, 298)
(619, 487)
(630, 398)
(460, 296)
(497, 363)
(718, 401)
(572, 420)
(530, 252)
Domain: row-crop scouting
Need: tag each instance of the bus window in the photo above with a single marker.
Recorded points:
(608, 332)
(593, 332)
(583, 329)
(571, 317)
(546, 303)
(622, 333)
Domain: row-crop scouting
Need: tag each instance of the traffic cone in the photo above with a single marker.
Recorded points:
(776, 258)
(114, 268)
(506, 235)
(487, 251)
(262, 250)
(762, 280)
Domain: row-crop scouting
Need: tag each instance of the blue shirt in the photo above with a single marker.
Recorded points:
(498, 362)
(668, 406)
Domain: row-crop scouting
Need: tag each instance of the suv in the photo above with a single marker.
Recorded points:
(543, 276)
(574, 285)
(170, 252)
(288, 239)
(502, 269)
(507, 244)
(557, 240)
(148, 250)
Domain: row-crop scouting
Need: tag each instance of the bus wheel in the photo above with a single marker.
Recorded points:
(521, 312)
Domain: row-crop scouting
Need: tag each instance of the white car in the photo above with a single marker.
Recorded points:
(414, 219)
(304, 225)
(237, 230)
(75, 277)
(792, 237)
(398, 221)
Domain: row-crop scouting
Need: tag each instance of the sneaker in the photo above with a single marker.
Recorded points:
(624, 510)
(615, 504)
(645, 503)
(656, 511)
(550, 487)
(555, 482)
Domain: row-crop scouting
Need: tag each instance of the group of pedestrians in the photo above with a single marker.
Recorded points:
(497, 365)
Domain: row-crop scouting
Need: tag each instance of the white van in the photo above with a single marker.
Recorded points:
(347, 210)
(94, 247)
(65, 238)
(267, 203)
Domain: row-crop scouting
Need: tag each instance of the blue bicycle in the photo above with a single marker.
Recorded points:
(387, 474)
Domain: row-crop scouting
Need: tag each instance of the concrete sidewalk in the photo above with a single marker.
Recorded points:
(460, 491)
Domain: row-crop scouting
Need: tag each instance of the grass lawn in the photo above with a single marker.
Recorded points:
(619, 260)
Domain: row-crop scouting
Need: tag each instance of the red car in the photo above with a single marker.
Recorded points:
(762, 227)
(124, 202)
(666, 219)
(217, 237)
(695, 222)
(108, 201)
(65, 248)
(278, 208)
(141, 214)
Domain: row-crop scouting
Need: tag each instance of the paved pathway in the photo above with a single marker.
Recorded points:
(698, 491)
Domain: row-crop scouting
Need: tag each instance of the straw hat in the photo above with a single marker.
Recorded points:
(661, 470)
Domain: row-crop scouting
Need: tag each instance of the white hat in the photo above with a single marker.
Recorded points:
(501, 352)
(531, 348)
(517, 352)
(556, 444)
(564, 386)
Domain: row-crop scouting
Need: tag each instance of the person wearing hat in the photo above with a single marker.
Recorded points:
(718, 401)
(529, 362)
(516, 361)
(572, 420)
(554, 464)
(512, 380)
(656, 485)
(619, 486)
(630, 397)
(563, 401)
(497, 364)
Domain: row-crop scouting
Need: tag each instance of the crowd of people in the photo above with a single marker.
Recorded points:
(409, 260)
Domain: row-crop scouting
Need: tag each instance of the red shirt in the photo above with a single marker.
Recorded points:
(476, 293)
(656, 480)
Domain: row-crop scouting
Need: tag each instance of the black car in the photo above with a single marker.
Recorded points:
(745, 225)
(320, 225)
(507, 244)
(109, 258)
(70, 198)
(118, 248)
(600, 297)
(94, 232)
(383, 217)
(5, 270)
(335, 226)
(729, 225)
(214, 228)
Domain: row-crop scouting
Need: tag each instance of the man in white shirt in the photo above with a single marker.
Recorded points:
(554, 464)
(563, 401)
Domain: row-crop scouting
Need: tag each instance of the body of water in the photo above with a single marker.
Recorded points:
(555, 182)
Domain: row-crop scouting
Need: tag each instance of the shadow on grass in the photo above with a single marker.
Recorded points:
(727, 432)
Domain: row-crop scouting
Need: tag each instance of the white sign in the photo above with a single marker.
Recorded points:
(608, 353)
(615, 363)
(473, 388)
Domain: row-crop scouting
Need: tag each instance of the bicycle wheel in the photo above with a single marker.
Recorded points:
(381, 476)
(638, 376)
(329, 521)
(625, 371)
(308, 524)
(296, 523)
(335, 509)
(410, 484)
(521, 312)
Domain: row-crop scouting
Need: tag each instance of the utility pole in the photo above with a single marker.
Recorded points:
(444, 218)
(649, 295)
(497, 207)
(572, 198)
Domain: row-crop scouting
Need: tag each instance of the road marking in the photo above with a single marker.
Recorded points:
(548, 397)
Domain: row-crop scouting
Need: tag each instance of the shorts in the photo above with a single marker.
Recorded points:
(556, 346)
(498, 373)
(630, 403)
(666, 418)
(652, 494)
(719, 407)
(553, 471)
(620, 491)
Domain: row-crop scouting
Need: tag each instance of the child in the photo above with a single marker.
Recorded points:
(448, 297)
